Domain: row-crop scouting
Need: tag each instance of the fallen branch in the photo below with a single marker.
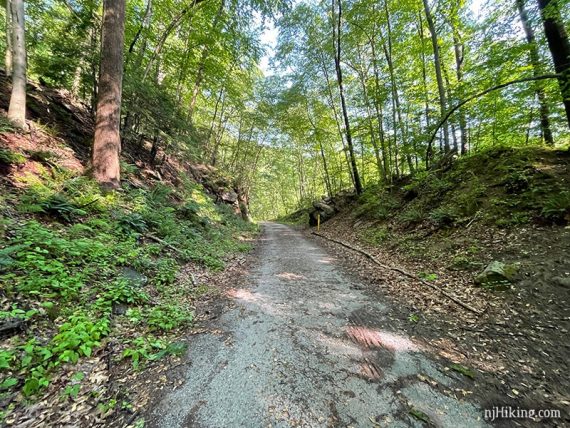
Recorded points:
(403, 272)
(163, 242)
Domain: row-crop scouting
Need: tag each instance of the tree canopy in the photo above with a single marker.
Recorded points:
(358, 92)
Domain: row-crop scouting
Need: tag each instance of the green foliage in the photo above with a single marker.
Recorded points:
(169, 316)
(557, 207)
(412, 215)
(428, 276)
(9, 157)
(443, 216)
(71, 276)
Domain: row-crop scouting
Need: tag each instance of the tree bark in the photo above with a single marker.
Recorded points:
(459, 58)
(559, 47)
(438, 74)
(336, 116)
(535, 62)
(8, 54)
(337, 57)
(107, 141)
(17, 108)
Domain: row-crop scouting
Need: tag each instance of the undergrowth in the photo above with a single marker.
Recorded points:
(502, 187)
(79, 267)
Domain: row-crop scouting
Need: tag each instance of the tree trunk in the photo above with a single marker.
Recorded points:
(8, 54)
(559, 47)
(336, 116)
(535, 61)
(337, 49)
(459, 58)
(17, 108)
(438, 74)
(107, 142)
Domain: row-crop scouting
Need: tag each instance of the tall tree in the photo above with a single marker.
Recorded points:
(337, 29)
(559, 47)
(8, 53)
(17, 108)
(438, 72)
(535, 62)
(107, 141)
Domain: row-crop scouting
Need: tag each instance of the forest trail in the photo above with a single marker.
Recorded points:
(306, 346)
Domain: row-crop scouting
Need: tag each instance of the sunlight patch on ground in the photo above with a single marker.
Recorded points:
(290, 276)
(380, 339)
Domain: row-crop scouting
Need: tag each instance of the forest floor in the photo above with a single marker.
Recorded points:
(300, 342)
(517, 350)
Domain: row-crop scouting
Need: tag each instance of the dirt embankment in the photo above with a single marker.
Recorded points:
(446, 228)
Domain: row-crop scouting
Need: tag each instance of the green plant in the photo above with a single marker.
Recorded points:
(443, 216)
(78, 337)
(141, 348)
(414, 318)
(132, 222)
(557, 207)
(412, 215)
(123, 291)
(428, 276)
(61, 207)
(169, 316)
(9, 157)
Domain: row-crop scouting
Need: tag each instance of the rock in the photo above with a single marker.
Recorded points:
(11, 326)
(326, 209)
(562, 281)
(119, 308)
(229, 197)
(133, 277)
(497, 275)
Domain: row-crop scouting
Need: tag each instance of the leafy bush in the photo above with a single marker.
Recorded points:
(443, 216)
(412, 215)
(60, 207)
(132, 222)
(169, 316)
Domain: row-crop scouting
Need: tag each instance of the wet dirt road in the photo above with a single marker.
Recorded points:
(306, 346)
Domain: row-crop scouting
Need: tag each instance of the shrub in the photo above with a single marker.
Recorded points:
(443, 216)
(557, 208)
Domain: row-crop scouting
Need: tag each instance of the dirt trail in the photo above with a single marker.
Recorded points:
(305, 346)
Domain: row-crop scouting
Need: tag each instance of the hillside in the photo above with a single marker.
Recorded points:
(446, 226)
(98, 286)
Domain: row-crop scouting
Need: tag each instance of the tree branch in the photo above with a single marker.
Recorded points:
(485, 92)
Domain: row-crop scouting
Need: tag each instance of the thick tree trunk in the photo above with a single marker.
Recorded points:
(337, 49)
(107, 142)
(17, 108)
(559, 47)
(535, 61)
(438, 73)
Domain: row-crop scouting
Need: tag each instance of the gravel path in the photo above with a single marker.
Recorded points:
(306, 346)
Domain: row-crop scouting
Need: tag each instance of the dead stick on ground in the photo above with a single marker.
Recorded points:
(163, 242)
(403, 272)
